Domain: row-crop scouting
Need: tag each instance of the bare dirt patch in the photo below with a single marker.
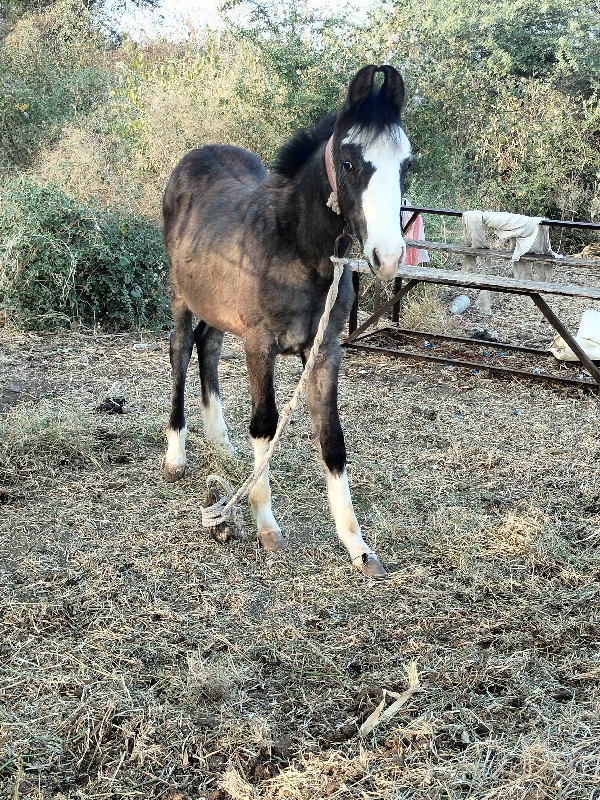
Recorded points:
(141, 659)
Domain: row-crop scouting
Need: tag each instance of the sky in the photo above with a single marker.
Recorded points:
(173, 17)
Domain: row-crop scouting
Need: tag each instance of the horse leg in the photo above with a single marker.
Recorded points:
(321, 397)
(180, 350)
(260, 362)
(209, 342)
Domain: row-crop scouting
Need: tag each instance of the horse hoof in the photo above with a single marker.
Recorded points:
(272, 541)
(223, 533)
(173, 472)
(371, 566)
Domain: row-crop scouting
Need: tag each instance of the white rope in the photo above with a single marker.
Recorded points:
(223, 509)
(333, 203)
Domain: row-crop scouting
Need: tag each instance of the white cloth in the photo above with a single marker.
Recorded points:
(520, 233)
(561, 350)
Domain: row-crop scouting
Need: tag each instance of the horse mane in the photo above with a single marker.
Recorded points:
(294, 154)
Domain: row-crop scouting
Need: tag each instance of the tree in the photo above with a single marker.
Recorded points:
(10, 10)
(52, 68)
(507, 112)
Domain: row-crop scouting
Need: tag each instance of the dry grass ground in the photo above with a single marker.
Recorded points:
(140, 659)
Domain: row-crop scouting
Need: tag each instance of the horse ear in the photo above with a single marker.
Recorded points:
(393, 86)
(360, 87)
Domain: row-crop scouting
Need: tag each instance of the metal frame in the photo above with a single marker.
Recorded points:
(358, 334)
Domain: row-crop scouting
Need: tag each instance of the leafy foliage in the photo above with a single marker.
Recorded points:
(502, 109)
(505, 104)
(51, 70)
(307, 55)
(61, 262)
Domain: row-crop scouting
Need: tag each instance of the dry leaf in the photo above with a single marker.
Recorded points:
(379, 715)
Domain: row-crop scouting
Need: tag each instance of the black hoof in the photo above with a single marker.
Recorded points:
(173, 473)
(371, 566)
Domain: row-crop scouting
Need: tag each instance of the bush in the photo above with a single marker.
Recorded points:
(539, 153)
(53, 68)
(61, 262)
(505, 109)
(250, 87)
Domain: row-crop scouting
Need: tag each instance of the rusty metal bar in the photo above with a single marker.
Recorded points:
(538, 351)
(411, 219)
(536, 376)
(396, 306)
(353, 318)
(452, 212)
(359, 332)
(570, 340)
(380, 311)
(377, 295)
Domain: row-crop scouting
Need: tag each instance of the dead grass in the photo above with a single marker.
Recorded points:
(140, 659)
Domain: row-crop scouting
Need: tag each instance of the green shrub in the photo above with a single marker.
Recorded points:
(249, 87)
(504, 108)
(61, 262)
(539, 154)
(53, 68)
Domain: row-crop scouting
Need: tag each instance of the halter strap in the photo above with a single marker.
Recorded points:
(329, 165)
(332, 202)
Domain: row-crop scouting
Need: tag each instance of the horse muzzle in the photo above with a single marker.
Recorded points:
(384, 264)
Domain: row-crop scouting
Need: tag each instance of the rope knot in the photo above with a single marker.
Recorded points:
(220, 515)
(333, 203)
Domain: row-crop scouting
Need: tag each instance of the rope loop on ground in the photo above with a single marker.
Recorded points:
(223, 510)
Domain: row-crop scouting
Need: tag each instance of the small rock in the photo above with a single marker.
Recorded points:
(145, 346)
(484, 335)
(217, 763)
(114, 405)
(424, 411)
(564, 694)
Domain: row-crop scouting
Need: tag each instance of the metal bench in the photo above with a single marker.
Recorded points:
(409, 277)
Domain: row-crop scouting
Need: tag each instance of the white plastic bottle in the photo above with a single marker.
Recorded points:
(459, 304)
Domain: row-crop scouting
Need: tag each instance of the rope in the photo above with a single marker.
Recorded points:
(333, 203)
(224, 508)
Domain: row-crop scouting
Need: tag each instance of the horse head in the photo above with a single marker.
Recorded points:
(368, 156)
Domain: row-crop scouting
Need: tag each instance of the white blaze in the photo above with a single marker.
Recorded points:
(382, 201)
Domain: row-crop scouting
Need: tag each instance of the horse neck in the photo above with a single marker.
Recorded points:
(315, 226)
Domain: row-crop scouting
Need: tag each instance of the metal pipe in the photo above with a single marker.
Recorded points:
(451, 212)
(536, 376)
(538, 351)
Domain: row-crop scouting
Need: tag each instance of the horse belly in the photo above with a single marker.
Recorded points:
(211, 291)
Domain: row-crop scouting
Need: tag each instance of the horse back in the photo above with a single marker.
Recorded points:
(206, 177)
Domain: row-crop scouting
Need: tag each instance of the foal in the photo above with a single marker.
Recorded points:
(250, 254)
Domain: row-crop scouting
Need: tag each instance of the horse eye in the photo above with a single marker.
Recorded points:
(347, 165)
